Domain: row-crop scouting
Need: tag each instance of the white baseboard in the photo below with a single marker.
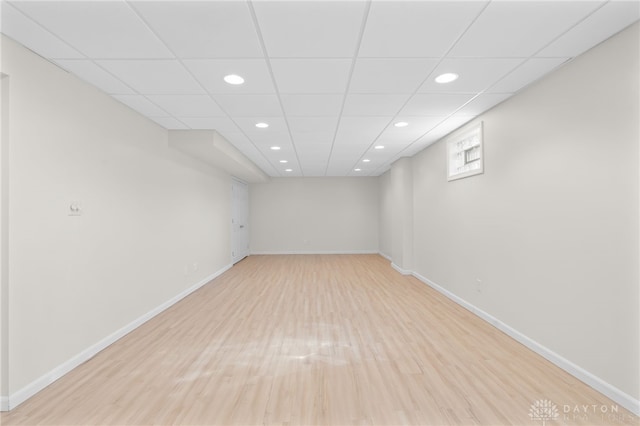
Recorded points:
(268, 253)
(42, 382)
(610, 391)
(399, 269)
(386, 256)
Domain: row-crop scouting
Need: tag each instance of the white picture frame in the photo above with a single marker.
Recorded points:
(465, 153)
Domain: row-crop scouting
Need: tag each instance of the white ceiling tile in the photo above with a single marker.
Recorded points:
(528, 72)
(300, 105)
(438, 104)
(313, 132)
(417, 126)
(312, 44)
(169, 123)
(311, 75)
(604, 23)
(223, 125)
(286, 153)
(322, 28)
(359, 130)
(98, 29)
(350, 150)
(341, 158)
(291, 163)
(153, 77)
(373, 104)
(203, 29)
(482, 103)
(390, 75)
(248, 125)
(341, 168)
(475, 74)
(313, 124)
(393, 148)
(211, 72)
(416, 28)
(93, 74)
(17, 26)
(266, 140)
(315, 164)
(308, 152)
(513, 28)
(307, 139)
(250, 105)
(142, 105)
(187, 105)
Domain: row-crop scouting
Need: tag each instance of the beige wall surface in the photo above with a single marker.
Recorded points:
(314, 215)
(551, 227)
(153, 222)
(386, 208)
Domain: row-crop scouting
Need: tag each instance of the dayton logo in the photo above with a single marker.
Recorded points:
(543, 410)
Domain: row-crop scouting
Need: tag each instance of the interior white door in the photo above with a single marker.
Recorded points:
(239, 220)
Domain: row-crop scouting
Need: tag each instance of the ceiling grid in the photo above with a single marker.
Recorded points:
(330, 78)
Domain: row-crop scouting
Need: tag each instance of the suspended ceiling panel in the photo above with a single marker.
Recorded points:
(330, 78)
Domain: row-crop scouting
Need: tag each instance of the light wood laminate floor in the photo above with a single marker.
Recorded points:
(315, 340)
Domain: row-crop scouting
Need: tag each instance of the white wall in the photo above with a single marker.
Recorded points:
(551, 227)
(153, 222)
(402, 214)
(4, 249)
(312, 215)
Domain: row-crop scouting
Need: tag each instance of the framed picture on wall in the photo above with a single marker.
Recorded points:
(464, 153)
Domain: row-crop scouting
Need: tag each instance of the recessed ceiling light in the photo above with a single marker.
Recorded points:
(262, 125)
(357, 170)
(401, 124)
(283, 161)
(378, 147)
(288, 170)
(275, 148)
(233, 79)
(446, 78)
(366, 160)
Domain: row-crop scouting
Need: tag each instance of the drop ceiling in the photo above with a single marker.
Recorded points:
(329, 77)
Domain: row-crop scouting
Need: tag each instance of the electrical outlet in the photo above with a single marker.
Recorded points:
(195, 266)
(478, 285)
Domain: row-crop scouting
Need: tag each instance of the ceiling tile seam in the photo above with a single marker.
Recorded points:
(578, 22)
(398, 155)
(146, 24)
(127, 85)
(188, 71)
(441, 59)
(471, 117)
(354, 59)
(85, 58)
(256, 25)
(54, 35)
(533, 56)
